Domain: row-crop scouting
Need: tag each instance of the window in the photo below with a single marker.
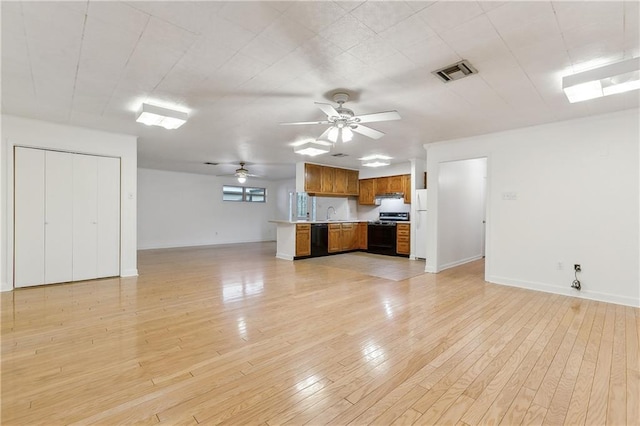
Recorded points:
(243, 193)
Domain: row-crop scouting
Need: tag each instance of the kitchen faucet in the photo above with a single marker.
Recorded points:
(334, 211)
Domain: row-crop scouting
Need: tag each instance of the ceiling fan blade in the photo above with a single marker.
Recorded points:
(328, 109)
(377, 116)
(304, 122)
(367, 131)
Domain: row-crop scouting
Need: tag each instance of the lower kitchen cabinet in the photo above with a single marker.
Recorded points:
(303, 239)
(362, 235)
(335, 237)
(403, 235)
(349, 236)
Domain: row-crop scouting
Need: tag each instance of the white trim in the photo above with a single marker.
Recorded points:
(566, 291)
(460, 262)
(154, 246)
(129, 273)
(284, 256)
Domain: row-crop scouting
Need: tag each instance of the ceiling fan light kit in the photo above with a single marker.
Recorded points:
(153, 115)
(618, 77)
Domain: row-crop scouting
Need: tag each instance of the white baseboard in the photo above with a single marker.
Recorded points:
(165, 245)
(566, 291)
(460, 262)
(129, 273)
(284, 256)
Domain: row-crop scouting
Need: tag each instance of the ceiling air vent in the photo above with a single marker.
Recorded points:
(455, 72)
(209, 163)
(340, 154)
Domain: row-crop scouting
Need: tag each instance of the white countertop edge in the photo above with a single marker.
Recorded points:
(294, 222)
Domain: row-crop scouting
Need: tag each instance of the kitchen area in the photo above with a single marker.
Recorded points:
(334, 211)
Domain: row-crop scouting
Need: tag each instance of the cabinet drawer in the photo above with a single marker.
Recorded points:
(403, 232)
(403, 247)
(402, 238)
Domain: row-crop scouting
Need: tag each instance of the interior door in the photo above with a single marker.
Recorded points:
(85, 217)
(108, 217)
(58, 260)
(29, 217)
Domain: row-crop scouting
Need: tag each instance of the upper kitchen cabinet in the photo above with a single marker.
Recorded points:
(329, 184)
(352, 181)
(406, 184)
(312, 178)
(395, 183)
(330, 181)
(367, 192)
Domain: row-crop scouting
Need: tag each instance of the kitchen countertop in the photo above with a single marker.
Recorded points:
(293, 222)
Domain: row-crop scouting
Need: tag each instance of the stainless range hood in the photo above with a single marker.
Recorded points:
(396, 195)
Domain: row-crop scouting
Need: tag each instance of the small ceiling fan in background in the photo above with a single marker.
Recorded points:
(344, 122)
(241, 173)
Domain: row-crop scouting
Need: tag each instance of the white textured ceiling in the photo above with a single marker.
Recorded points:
(243, 67)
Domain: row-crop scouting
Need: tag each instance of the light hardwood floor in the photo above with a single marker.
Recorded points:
(233, 335)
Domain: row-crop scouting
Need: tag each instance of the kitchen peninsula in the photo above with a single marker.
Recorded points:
(301, 239)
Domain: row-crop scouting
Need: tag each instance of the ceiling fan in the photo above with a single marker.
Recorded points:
(344, 122)
(241, 173)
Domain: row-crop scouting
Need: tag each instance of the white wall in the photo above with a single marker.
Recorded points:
(461, 211)
(576, 185)
(40, 134)
(185, 209)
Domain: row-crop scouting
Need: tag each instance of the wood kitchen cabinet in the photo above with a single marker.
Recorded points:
(340, 181)
(352, 181)
(403, 235)
(349, 236)
(362, 235)
(406, 184)
(395, 183)
(367, 192)
(328, 178)
(335, 237)
(382, 185)
(331, 181)
(312, 178)
(303, 239)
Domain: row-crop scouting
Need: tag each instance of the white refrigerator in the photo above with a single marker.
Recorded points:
(420, 219)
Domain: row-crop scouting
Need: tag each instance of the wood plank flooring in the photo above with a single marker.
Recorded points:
(232, 335)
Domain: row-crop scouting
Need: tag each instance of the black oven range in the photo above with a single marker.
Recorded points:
(381, 234)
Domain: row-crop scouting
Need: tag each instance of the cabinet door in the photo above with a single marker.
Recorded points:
(382, 185)
(407, 189)
(367, 192)
(29, 218)
(396, 183)
(85, 217)
(352, 182)
(340, 181)
(348, 235)
(328, 178)
(335, 238)
(108, 243)
(312, 178)
(58, 257)
(303, 240)
(362, 236)
(403, 238)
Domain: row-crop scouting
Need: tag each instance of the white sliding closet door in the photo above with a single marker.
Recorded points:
(108, 216)
(29, 217)
(85, 217)
(58, 243)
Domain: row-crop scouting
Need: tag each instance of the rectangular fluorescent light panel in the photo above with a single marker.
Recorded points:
(311, 148)
(153, 115)
(375, 161)
(615, 78)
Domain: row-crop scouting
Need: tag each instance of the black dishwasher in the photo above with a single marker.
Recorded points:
(319, 239)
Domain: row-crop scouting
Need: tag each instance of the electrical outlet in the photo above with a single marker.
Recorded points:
(577, 268)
